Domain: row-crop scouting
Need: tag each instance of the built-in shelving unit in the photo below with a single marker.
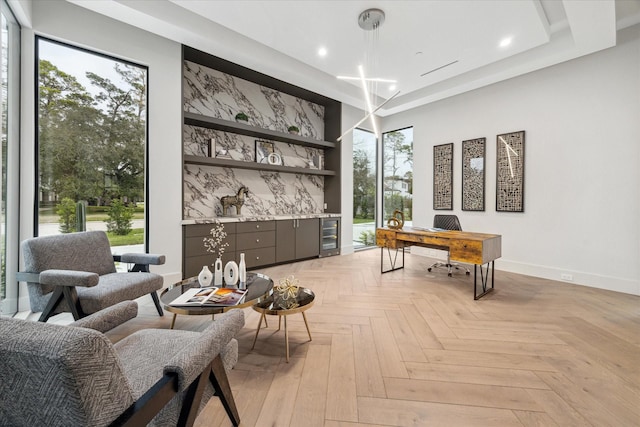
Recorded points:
(194, 119)
(238, 164)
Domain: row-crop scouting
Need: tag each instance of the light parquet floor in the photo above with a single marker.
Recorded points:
(411, 348)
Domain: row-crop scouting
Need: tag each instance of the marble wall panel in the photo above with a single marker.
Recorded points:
(271, 193)
(215, 94)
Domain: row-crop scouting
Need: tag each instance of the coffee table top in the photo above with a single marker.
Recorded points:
(277, 305)
(259, 287)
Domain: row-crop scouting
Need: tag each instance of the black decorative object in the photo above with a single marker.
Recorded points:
(473, 174)
(443, 177)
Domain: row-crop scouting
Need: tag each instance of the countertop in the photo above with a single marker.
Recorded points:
(257, 218)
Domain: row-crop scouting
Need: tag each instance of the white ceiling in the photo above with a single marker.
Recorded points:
(281, 39)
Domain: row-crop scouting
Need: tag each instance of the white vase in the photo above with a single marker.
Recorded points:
(217, 273)
(205, 277)
(231, 273)
(242, 272)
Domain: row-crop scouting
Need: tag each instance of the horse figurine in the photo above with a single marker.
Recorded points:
(237, 200)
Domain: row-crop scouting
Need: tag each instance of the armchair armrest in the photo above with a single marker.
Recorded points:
(68, 278)
(110, 317)
(141, 258)
(26, 276)
(195, 358)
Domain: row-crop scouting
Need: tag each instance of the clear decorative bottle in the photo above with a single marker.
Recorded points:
(217, 273)
(205, 277)
(242, 272)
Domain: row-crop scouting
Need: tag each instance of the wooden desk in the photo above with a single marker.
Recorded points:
(463, 246)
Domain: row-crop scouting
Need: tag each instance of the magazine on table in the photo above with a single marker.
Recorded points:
(214, 296)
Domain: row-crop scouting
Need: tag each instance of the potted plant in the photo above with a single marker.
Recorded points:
(242, 117)
(293, 129)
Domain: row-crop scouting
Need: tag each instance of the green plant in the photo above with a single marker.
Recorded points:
(242, 116)
(66, 210)
(293, 129)
(81, 216)
(368, 238)
(120, 216)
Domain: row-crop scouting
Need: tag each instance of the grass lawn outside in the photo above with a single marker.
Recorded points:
(136, 237)
(362, 220)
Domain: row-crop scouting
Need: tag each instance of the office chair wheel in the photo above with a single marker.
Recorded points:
(429, 269)
(468, 273)
(449, 274)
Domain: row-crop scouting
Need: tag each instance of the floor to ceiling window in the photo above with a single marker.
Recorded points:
(364, 188)
(92, 143)
(9, 155)
(397, 177)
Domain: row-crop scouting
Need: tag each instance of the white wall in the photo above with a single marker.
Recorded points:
(582, 165)
(65, 22)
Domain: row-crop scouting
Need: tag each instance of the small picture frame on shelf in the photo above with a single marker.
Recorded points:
(263, 150)
(220, 152)
(318, 161)
(207, 147)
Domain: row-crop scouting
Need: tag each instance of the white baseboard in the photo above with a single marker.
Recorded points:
(582, 278)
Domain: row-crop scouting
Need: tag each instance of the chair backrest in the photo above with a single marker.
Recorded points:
(447, 222)
(58, 375)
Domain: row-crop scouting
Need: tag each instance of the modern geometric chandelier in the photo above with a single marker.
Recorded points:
(370, 21)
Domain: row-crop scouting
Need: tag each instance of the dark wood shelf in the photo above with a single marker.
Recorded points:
(237, 164)
(195, 119)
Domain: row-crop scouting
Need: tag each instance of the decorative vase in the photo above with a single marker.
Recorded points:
(205, 277)
(242, 272)
(231, 273)
(217, 272)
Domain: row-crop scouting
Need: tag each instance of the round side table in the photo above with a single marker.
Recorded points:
(275, 305)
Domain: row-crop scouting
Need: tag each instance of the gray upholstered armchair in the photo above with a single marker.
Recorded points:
(76, 272)
(57, 375)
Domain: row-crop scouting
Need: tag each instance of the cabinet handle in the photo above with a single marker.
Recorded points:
(257, 258)
(257, 240)
(257, 225)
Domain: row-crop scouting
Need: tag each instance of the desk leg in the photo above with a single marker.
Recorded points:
(484, 279)
(393, 260)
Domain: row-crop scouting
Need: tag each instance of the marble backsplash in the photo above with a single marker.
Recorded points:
(270, 193)
(215, 94)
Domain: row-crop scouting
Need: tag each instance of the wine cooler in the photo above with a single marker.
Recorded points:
(329, 237)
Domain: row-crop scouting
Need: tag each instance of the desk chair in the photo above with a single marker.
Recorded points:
(447, 222)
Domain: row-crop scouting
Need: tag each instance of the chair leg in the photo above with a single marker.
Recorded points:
(192, 399)
(220, 382)
(54, 300)
(71, 297)
(156, 301)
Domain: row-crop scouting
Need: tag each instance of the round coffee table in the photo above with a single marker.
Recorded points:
(274, 305)
(259, 287)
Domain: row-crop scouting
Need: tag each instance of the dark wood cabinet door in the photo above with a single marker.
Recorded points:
(307, 238)
(285, 240)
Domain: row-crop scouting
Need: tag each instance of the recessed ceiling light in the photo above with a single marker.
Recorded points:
(322, 51)
(392, 87)
(506, 41)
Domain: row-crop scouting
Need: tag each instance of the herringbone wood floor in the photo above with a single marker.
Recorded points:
(412, 348)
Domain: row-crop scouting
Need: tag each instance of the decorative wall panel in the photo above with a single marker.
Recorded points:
(215, 94)
(510, 172)
(473, 174)
(443, 177)
(270, 193)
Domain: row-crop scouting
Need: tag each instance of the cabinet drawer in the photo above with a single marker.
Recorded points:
(259, 257)
(257, 239)
(195, 246)
(252, 226)
(204, 229)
